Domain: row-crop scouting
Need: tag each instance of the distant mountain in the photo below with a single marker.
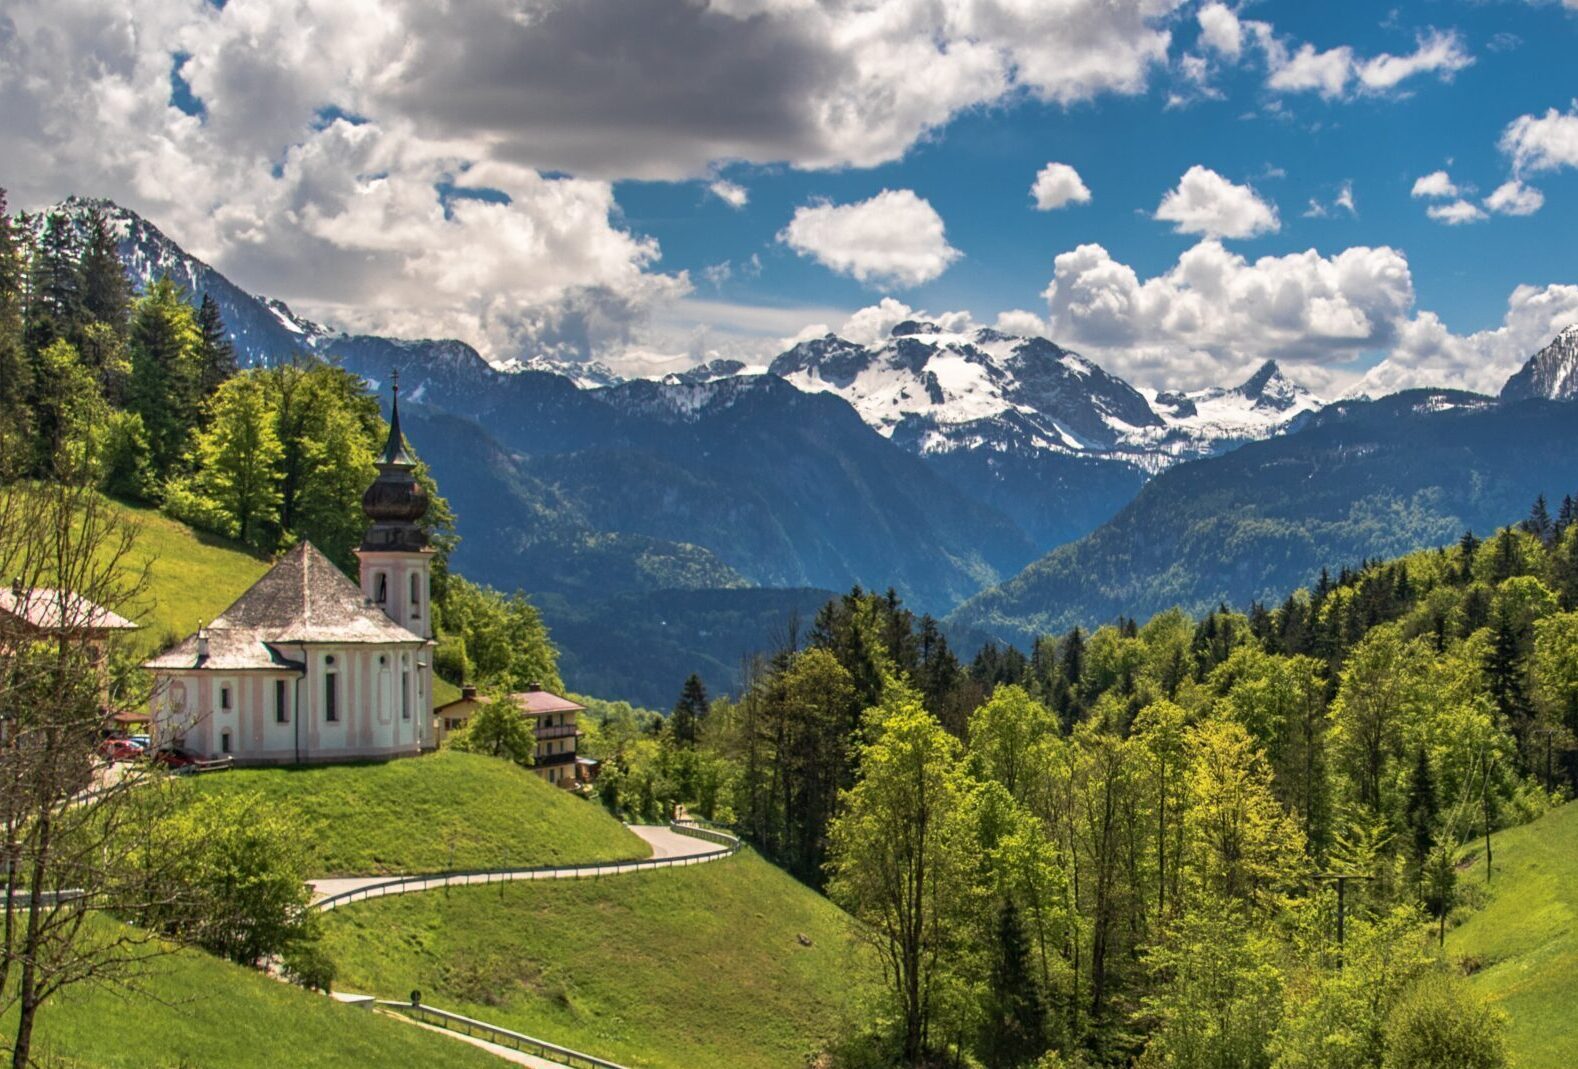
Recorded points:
(1040, 432)
(1551, 373)
(1361, 479)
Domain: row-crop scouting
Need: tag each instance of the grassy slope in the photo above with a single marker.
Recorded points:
(200, 1011)
(674, 969)
(1526, 938)
(192, 577)
(401, 816)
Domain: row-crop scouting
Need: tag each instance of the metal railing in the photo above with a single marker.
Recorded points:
(399, 885)
(503, 1037)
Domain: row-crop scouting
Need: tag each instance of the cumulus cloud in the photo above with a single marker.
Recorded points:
(1426, 353)
(1022, 324)
(894, 238)
(1456, 213)
(1216, 314)
(1438, 53)
(1206, 203)
(735, 196)
(1434, 184)
(1514, 198)
(1545, 143)
(1220, 30)
(1057, 185)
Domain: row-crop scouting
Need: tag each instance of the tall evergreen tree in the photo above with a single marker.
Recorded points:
(106, 291)
(1015, 1034)
(1539, 523)
(165, 374)
(16, 373)
(689, 711)
(1423, 809)
(216, 353)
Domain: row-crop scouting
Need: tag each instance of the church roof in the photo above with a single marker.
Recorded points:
(303, 598)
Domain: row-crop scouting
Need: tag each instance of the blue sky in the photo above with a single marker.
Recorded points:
(542, 186)
(977, 172)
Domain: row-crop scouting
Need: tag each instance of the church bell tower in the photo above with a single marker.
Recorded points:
(396, 561)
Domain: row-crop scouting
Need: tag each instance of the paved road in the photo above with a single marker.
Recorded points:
(667, 845)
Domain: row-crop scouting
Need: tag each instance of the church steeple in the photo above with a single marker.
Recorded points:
(396, 501)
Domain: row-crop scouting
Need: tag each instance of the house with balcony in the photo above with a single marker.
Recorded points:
(554, 725)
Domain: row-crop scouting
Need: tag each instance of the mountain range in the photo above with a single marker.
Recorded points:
(936, 462)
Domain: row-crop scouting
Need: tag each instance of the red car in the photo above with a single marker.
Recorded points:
(176, 760)
(119, 750)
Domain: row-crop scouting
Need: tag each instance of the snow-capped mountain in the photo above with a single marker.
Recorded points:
(1551, 373)
(587, 374)
(936, 392)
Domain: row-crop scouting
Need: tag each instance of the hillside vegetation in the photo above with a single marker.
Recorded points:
(446, 810)
(1524, 943)
(196, 1010)
(1365, 479)
(674, 969)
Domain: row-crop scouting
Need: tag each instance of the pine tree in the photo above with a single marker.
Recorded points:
(165, 374)
(1423, 809)
(1539, 522)
(1566, 515)
(689, 711)
(216, 354)
(54, 286)
(1015, 1035)
(1467, 546)
(106, 291)
(16, 373)
(1505, 675)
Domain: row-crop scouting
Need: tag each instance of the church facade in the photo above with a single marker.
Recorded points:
(308, 666)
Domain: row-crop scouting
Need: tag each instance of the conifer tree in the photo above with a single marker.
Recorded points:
(1422, 806)
(106, 292)
(16, 376)
(689, 711)
(54, 287)
(1539, 522)
(165, 374)
(1015, 1034)
(217, 355)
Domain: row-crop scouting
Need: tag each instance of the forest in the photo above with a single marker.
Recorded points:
(1124, 848)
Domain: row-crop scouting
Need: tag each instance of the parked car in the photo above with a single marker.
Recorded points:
(119, 750)
(176, 759)
(145, 741)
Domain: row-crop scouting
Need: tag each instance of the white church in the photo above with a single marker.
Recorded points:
(305, 667)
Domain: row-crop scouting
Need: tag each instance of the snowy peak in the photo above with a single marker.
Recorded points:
(586, 374)
(1551, 373)
(1270, 389)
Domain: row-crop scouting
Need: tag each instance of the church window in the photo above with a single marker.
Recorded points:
(416, 587)
(224, 742)
(382, 588)
(331, 695)
(405, 695)
(224, 697)
(280, 715)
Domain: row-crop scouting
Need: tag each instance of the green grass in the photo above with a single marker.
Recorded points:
(406, 815)
(192, 577)
(679, 968)
(193, 1010)
(1525, 940)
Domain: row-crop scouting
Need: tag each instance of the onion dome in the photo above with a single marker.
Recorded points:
(396, 501)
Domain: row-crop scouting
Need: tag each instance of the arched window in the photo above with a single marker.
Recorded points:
(416, 595)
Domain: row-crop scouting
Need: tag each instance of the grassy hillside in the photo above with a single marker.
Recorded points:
(1525, 941)
(200, 1011)
(192, 577)
(673, 969)
(425, 814)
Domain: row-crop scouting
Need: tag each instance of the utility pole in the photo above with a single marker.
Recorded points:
(1549, 734)
(1341, 880)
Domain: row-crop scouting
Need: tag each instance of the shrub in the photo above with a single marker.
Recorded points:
(1441, 1024)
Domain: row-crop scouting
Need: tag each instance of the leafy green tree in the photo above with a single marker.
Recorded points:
(16, 378)
(505, 639)
(1004, 733)
(165, 369)
(1556, 668)
(236, 477)
(497, 729)
(1383, 689)
(68, 411)
(244, 875)
(900, 858)
(1442, 1024)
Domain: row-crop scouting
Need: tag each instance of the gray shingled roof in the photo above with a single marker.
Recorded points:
(303, 598)
(54, 611)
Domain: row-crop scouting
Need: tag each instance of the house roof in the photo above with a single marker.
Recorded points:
(537, 702)
(302, 599)
(55, 611)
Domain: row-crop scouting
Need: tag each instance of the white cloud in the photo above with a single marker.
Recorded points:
(1057, 185)
(894, 238)
(1220, 30)
(1428, 354)
(1206, 203)
(1546, 143)
(1345, 199)
(1022, 324)
(1435, 52)
(1216, 314)
(1456, 213)
(1514, 198)
(1434, 184)
(1341, 72)
(732, 194)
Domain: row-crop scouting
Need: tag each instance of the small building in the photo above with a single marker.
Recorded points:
(307, 666)
(32, 614)
(553, 723)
